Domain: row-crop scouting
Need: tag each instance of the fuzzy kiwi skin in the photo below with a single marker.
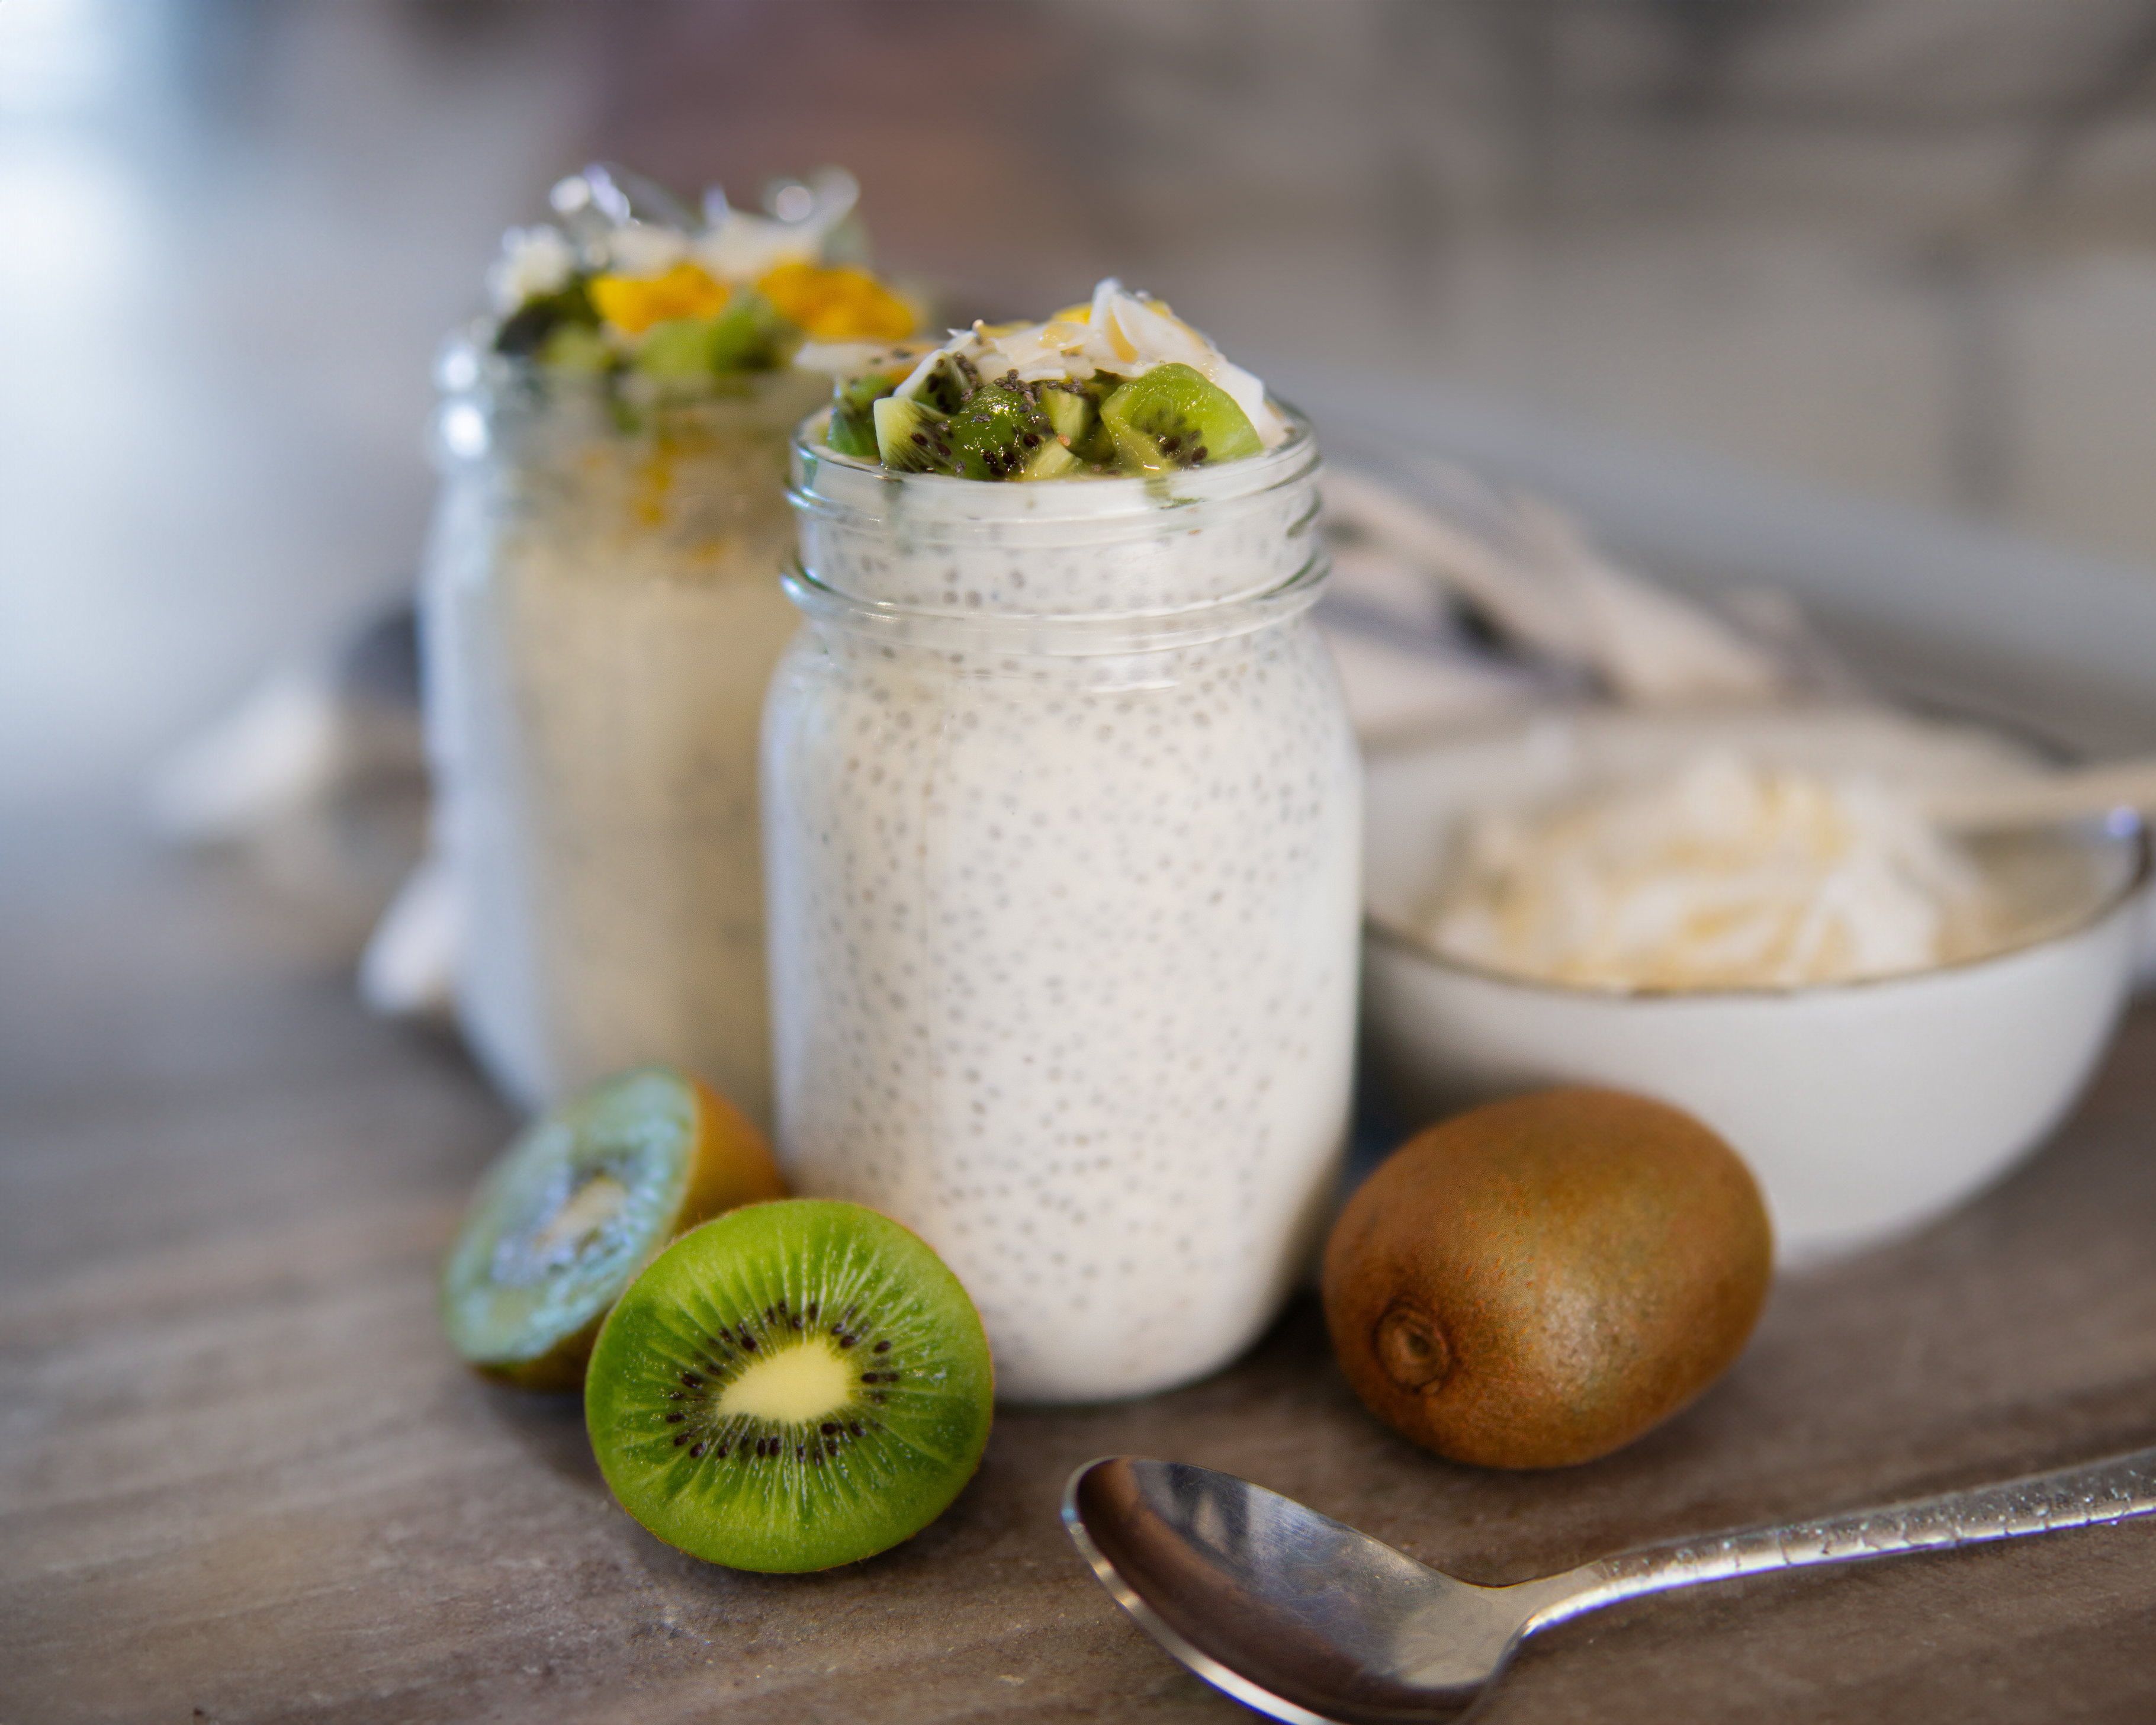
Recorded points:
(1538, 1283)
(557, 1372)
(730, 1166)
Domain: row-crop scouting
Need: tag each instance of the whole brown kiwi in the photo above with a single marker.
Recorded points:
(1537, 1282)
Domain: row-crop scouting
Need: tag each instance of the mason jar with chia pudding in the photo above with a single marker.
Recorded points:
(1062, 820)
(603, 609)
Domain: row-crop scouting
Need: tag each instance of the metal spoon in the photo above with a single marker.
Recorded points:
(1311, 1622)
(2040, 798)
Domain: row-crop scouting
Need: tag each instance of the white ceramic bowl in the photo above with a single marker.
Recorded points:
(1865, 1108)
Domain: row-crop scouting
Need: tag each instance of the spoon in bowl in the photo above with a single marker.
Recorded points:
(2038, 799)
(1309, 1621)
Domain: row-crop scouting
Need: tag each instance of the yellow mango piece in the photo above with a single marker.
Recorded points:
(837, 305)
(632, 303)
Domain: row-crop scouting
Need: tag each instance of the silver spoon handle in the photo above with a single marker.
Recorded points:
(2089, 1495)
(2046, 797)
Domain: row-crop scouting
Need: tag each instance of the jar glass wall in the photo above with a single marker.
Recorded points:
(603, 611)
(1062, 819)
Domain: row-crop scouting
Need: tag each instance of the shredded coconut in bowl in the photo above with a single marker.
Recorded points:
(1726, 875)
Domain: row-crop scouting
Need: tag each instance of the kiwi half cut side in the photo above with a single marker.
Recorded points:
(583, 1199)
(1174, 417)
(794, 1386)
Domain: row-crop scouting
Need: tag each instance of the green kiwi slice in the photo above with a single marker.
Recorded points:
(852, 429)
(950, 382)
(527, 330)
(677, 349)
(581, 1200)
(911, 436)
(793, 1386)
(1073, 410)
(1174, 417)
(1001, 434)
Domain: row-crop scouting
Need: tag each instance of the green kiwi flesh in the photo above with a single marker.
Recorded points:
(748, 336)
(792, 1386)
(751, 334)
(954, 423)
(1174, 417)
(527, 330)
(559, 1225)
(911, 436)
(1072, 409)
(852, 429)
(677, 349)
(1001, 433)
(951, 381)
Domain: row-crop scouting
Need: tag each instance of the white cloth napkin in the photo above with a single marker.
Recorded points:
(1444, 611)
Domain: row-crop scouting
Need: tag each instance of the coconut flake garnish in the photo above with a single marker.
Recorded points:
(534, 261)
(1124, 334)
(850, 359)
(645, 249)
(743, 247)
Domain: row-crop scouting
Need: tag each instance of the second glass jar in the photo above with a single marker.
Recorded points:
(603, 611)
(1062, 828)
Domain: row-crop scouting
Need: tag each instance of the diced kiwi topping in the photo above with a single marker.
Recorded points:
(1119, 386)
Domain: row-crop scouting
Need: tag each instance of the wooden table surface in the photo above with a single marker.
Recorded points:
(241, 1478)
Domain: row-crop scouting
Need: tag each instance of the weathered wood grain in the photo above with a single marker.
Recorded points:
(240, 1478)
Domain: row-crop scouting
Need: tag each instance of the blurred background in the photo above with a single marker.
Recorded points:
(1856, 297)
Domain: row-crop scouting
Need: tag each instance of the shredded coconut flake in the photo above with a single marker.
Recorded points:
(641, 249)
(533, 261)
(1727, 876)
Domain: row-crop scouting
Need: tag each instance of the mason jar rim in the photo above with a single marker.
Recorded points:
(498, 394)
(1085, 635)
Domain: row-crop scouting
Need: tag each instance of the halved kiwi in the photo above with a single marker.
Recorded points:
(1174, 417)
(580, 1202)
(793, 1386)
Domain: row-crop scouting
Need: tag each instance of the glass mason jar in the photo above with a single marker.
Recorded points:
(603, 609)
(1062, 822)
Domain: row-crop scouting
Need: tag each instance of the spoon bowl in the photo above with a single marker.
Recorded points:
(1307, 1620)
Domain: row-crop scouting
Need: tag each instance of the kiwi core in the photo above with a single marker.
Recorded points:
(595, 1203)
(801, 1384)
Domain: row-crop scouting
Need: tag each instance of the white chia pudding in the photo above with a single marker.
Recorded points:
(1062, 819)
(603, 614)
